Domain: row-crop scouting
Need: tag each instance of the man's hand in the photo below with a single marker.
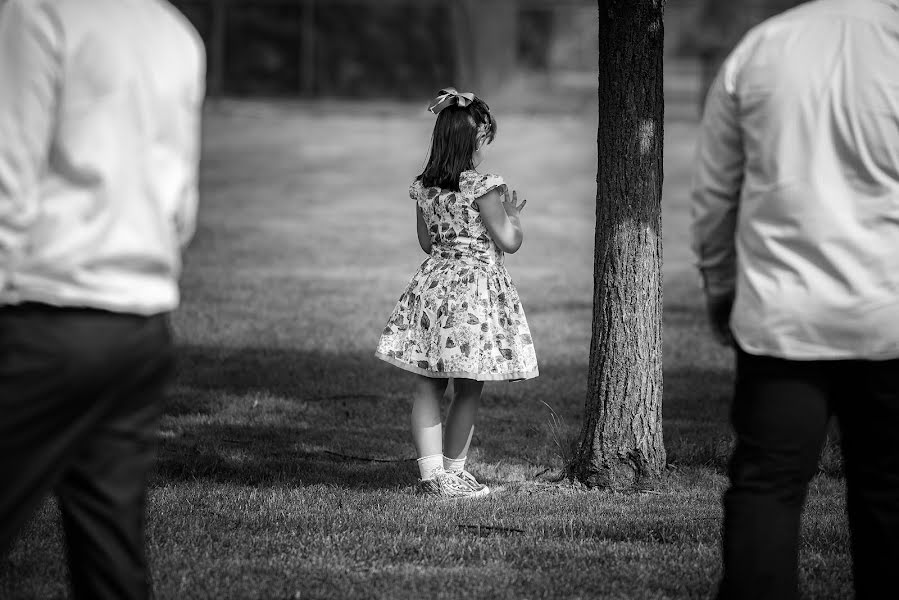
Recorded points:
(719, 307)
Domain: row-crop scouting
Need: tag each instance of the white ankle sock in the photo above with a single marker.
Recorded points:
(454, 464)
(427, 465)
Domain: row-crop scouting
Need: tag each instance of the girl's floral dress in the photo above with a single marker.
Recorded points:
(460, 315)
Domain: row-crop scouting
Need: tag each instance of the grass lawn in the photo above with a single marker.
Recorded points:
(286, 466)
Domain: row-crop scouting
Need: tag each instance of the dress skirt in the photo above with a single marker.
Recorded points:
(460, 317)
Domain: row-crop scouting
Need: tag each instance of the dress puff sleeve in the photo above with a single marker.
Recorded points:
(480, 184)
(415, 189)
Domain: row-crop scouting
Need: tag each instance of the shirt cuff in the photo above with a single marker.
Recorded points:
(718, 283)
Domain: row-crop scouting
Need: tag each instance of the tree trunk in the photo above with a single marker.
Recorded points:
(621, 440)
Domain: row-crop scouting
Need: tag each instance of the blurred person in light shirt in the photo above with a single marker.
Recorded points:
(100, 104)
(796, 233)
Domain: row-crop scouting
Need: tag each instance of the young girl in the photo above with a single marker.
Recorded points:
(460, 316)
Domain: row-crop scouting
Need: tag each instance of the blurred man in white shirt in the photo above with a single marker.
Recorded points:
(100, 106)
(796, 233)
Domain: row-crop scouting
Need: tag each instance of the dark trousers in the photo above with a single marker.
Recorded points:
(780, 415)
(80, 402)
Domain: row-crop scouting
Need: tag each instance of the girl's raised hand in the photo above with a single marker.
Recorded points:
(500, 215)
(512, 207)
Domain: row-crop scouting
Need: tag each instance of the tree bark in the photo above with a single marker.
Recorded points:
(621, 441)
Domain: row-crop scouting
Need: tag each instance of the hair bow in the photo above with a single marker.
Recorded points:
(448, 97)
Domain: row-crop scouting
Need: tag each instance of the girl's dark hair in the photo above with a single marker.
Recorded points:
(453, 142)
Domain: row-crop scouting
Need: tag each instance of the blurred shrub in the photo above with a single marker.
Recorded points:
(535, 31)
(719, 24)
(575, 46)
(395, 49)
(262, 53)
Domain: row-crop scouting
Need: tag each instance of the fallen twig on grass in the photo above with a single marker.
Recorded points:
(368, 458)
(488, 529)
(349, 397)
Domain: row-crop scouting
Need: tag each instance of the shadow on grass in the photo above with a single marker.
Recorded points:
(260, 416)
(280, 416)
(298, 374)
(269, 457)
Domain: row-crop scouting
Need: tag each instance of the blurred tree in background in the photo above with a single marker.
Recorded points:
(410, 48)
(356, 48)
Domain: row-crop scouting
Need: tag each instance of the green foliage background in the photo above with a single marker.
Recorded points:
(396, 49)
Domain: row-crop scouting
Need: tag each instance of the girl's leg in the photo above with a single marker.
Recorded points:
(426, 429)
(460, 419)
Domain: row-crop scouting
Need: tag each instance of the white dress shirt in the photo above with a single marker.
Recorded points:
(796, 190)
(99, 147)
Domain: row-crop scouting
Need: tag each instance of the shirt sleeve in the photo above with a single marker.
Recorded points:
(30, 67)
(186, 215)
(717, 181)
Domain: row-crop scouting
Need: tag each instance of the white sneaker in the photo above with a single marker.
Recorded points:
(479, 488)
(449, 485)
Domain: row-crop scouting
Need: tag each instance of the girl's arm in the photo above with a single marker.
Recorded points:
(424, 236)
(502, 218)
